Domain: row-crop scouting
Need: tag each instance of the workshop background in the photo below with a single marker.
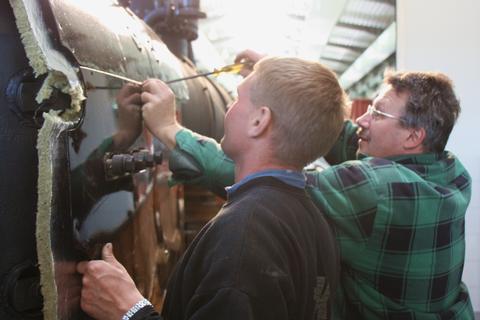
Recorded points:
(75, 191)
(359, 39)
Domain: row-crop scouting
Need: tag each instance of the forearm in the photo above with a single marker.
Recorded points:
(167, 135)
(217, 170)
(158, 111)
(346, 146)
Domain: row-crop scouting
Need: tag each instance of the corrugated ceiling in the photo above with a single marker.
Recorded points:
(335, 32)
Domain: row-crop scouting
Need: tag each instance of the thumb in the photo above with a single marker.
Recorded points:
(107, 254)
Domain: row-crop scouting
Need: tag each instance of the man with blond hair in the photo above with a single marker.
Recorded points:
(269, 253)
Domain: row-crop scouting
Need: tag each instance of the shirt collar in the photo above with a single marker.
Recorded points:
(294, 178)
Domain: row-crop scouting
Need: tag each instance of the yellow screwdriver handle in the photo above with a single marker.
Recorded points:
(233, 68)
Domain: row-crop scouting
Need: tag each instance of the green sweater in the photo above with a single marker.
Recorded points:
(399, 223)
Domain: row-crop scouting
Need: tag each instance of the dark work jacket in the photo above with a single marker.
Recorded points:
(268, 254)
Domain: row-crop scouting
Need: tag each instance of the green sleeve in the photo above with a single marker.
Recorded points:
(346, 146)
(217, 169)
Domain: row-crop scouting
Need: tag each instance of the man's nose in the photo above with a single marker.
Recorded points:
(364, 120)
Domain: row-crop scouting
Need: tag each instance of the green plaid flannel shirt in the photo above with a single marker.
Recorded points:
(399, 223)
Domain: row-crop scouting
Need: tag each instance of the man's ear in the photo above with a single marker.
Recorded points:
(415, 138)
(260, 121)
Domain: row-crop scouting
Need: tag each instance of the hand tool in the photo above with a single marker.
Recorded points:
(231, 68)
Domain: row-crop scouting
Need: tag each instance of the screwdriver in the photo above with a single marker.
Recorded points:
(231, 68)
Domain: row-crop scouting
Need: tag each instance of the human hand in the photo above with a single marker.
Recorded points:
(248, 55)
(129, 117)
(159, 111)
(108, 291)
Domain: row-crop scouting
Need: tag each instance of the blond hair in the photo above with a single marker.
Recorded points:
(307, 103)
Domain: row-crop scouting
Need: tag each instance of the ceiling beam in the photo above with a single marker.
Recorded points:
(337, 68)
(345, 62)
(343, 46)
(372, 30)
(383, 47)
(391, 2)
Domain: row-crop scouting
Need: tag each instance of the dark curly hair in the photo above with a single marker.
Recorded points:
(432, 105)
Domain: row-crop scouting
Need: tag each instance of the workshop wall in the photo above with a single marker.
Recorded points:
(442, 35)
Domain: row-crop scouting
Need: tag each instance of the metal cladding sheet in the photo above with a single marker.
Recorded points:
(57, 37)
(43, 53)
(37, 40)
(104, 35)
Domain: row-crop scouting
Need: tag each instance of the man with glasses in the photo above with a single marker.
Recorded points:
(396, 198)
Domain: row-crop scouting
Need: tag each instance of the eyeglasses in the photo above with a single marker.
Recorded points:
(376, 114)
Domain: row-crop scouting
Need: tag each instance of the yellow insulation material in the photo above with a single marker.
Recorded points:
(35, 55)
(38, 62)
(59, 81)
(45, 145)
